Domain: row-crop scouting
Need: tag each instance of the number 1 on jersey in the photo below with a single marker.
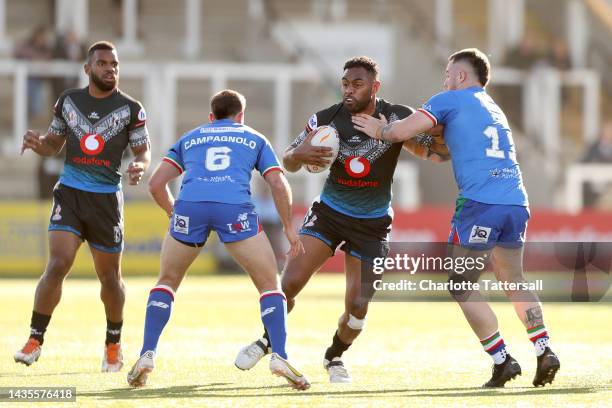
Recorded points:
(217, 158)
(494, 151)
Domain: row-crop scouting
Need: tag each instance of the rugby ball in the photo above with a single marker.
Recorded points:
(325, 136)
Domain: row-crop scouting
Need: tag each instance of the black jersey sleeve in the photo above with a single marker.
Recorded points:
(138, 133)
(58, 124)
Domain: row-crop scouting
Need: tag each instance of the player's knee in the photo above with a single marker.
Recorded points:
(459, 287)
(58, 268)
(112, 281)
(358, 308)
(290, 287)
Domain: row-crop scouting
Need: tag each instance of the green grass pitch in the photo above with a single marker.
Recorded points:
(410, 354)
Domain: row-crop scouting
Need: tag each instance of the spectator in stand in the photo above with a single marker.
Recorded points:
(558, 56)
(35, 48)
(526, 55)
(599, 152)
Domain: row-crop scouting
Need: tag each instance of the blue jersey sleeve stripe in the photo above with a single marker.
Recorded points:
(174, 163)
(269, 169)
(429, 115)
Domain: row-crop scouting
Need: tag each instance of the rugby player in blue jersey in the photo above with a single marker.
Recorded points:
(492, 209)
(353, 212)
(96, 124)
(216, 160)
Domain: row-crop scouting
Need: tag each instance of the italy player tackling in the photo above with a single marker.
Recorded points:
(216, 161)
(492, 209)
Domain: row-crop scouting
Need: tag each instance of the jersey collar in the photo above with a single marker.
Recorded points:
(223, 121)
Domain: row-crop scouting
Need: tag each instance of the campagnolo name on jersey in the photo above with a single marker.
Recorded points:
(222, 139)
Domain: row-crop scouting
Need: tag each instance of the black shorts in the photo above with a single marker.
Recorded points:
(95, 217)
(363, 238)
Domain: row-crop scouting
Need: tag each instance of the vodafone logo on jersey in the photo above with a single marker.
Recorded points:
(92, 144)
(357, 167)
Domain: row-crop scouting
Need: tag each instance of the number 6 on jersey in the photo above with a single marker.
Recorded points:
(217, 158)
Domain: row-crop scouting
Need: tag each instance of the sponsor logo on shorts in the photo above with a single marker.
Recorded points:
(117, 234)
(268, 311)
(479, 235)
(181, 224)
(56, 213)
(310, 219)
(242, 224)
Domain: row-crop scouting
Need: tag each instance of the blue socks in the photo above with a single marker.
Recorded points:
(159, 307)
(274, 317)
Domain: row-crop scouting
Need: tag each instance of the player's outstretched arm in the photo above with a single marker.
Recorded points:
(46, 145)
(281, 192)
(302, 152)
(158, 186)
(398, 131)
(137, 167)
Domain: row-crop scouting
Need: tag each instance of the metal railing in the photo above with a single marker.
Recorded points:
(160, 101)
(541, 95)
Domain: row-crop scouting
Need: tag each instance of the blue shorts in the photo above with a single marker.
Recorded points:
(482, 226)
(192, 221)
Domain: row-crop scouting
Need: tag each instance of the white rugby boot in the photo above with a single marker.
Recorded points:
(336, 370)
(281, 367)
(137, 377)
(250, 355)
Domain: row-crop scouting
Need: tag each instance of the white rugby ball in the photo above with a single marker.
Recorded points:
(325, 136)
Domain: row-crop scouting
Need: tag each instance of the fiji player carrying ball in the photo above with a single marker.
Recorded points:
(217, 159)
(353, 212)
(492, 208)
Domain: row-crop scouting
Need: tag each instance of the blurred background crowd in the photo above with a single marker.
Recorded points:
(551, 76)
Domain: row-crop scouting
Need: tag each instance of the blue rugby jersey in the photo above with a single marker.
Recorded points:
(218, 159)
(480, 142)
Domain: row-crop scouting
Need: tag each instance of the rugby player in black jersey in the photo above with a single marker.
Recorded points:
(96, 123)
(353, 212)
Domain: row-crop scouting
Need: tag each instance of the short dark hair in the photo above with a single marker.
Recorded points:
(364, 62)
(100, 45)
(227, 103)
(478, 60)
